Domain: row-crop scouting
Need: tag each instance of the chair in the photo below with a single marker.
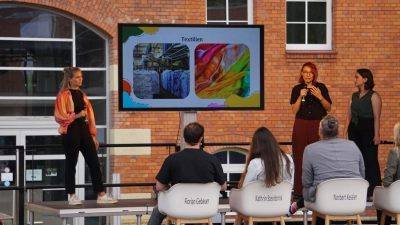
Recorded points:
(387, 199)
(339, 199)
(190, 203)
(257, 203)
(5, 217)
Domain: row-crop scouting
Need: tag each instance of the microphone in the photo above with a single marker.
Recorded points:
(303, 99)
(86, 119)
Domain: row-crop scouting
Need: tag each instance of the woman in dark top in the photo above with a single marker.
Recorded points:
(74, 113)
(363, 122)
(310, 103)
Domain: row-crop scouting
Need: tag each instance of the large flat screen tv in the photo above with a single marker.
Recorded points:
(190, 67)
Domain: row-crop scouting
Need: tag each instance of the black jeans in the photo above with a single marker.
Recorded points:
(78, 138)
(363, 136)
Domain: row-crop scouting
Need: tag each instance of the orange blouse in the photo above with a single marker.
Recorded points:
(64, 112)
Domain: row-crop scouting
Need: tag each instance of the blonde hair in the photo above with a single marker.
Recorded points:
(396, 132)
(68, 74)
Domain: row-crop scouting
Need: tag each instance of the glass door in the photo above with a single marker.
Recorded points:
(45, 166)
(7, 160)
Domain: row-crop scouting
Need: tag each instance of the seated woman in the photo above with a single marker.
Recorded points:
(266, 161)
(329, 158)
(392, 169)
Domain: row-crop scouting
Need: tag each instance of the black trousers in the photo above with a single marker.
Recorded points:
(388, 219)
(78, 138)
(363, 136)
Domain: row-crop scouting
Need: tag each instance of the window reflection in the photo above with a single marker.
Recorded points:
(7, 141)
(27, 107)
(11, 164)
(90, 48)
(44, 140)
(34, 23)
(238, 10)
(35, 54)
(236, 158)
(46, 83)
(41, 175)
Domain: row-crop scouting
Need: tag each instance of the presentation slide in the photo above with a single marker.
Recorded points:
(190, 67)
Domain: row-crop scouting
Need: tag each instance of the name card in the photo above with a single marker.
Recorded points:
(6, 176)
(344, 197)
(34, 175)
(197, 201)
(268, 198)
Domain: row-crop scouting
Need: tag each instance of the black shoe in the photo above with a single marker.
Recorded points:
(297, 197)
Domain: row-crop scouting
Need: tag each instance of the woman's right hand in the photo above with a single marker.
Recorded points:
(80, 114)
(303, 92)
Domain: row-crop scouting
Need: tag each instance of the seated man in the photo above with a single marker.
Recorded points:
(191, 165)
(327, 159)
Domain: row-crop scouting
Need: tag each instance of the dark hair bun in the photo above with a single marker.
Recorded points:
(332, 123)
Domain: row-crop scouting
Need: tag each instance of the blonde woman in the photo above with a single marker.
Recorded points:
(392, 169)
(74, 113)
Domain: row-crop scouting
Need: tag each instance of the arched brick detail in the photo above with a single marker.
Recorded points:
(105, 15)
(227, 138)
(102, 14)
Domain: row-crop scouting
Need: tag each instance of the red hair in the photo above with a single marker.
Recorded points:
(314, 70)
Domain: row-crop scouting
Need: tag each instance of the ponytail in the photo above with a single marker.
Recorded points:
(68, 74)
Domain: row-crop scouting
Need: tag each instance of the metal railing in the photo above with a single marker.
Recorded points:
(21, 188)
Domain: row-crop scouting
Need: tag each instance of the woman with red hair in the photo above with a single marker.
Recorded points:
(310, 103)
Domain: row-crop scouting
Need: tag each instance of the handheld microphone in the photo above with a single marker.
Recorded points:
(303, 99)
(86, 119)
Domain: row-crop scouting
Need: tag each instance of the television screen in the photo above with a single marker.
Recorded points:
(190, 67)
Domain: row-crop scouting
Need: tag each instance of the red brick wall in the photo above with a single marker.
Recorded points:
(365, 34)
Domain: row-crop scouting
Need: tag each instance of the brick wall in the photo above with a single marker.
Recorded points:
(365, 34)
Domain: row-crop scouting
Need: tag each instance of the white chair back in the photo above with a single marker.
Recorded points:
(340, 197)
(190, 201)
(256, 200)
(388, 198)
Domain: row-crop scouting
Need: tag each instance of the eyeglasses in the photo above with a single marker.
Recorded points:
(307, 72)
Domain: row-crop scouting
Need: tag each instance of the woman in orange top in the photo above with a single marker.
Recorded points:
(74, 113)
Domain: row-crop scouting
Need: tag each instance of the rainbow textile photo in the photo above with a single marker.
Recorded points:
(222, 70)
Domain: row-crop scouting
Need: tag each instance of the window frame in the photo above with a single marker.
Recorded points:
(249, 20)
(232, 168)
(22, 120)
(315, 47)
(47, 122)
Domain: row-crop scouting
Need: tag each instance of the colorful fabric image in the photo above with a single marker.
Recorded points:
(222, 70)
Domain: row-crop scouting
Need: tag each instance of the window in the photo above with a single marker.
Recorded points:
(34, 49)
(309, 25)
(234, 12)
(233, 163)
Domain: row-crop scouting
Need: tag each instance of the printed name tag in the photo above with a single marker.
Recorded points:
(191, 201)
(268, 198)
(344, 197)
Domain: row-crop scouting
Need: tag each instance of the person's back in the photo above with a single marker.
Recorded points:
(329, 159)
(191, 166)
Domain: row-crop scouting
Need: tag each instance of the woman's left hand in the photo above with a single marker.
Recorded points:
(316, 92)
(96, 143)
(377, 140)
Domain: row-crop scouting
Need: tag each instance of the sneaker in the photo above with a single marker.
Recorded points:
(106, 199)
(292, 209)
(74, 200)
